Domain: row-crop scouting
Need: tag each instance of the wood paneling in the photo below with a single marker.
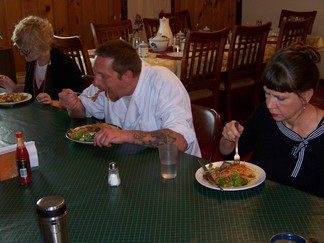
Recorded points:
(68, 17)
(73, 17)
(216, 14)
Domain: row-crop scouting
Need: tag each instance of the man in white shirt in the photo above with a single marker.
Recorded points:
(149, 103)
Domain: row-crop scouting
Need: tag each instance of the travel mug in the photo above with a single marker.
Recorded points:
(52, 215)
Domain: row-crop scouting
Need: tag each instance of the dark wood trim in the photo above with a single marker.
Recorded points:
(124, 14)
(239, 12)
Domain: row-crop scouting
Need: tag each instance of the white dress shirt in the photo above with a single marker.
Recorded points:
(159, 101)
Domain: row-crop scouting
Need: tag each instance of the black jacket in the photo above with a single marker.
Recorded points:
(62, 73)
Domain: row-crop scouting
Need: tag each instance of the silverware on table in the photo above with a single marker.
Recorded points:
(209, 176)
(237, 157)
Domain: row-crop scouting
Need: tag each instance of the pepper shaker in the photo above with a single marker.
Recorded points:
(113, 174)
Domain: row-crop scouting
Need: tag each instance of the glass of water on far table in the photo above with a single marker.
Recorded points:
(168, 154)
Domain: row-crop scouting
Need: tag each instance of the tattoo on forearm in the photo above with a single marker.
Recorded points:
(155, 138)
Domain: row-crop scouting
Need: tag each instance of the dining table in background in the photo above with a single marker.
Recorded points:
(172, 60)
(145, 207)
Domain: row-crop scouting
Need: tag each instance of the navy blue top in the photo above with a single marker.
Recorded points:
(273, 150)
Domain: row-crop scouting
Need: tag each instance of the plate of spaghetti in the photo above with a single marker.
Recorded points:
(234, 177)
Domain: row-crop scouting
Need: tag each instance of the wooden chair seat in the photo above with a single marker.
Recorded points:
(238, 83)
(200, 94)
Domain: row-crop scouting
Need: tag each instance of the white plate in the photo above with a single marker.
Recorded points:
(78, 141)
(259, 172)
(29, 96)
(175, 54)
(88, 125)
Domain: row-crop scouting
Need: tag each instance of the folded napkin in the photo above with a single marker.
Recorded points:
(31, 148)
(170, 55)
(8, 165)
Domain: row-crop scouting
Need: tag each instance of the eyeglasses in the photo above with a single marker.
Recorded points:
(24, 52)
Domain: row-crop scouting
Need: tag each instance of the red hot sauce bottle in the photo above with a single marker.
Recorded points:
(23, 163)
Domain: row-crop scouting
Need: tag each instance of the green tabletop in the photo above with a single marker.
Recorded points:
(145, 207)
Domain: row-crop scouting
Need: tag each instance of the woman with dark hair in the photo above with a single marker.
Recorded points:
(286, 133)
(48, 70)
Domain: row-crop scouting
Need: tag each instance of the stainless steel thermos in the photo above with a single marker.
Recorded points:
(52, 215)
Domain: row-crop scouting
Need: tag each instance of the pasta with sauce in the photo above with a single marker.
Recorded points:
(234, 175)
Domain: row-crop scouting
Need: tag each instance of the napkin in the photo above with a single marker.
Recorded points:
(8, 166)
(31, 148)
(169, 56)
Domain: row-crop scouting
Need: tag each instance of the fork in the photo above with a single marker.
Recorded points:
(93, 97)
(237, 157)
(78, 93)
(209, 176)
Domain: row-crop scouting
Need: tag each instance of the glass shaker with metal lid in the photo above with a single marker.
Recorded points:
(52, 216)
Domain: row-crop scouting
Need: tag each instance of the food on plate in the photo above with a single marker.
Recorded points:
(87, 133)
(16, 97)
(233, 175)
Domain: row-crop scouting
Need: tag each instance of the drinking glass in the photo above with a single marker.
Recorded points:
(168, 154)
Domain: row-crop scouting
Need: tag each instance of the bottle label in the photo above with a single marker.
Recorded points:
(22, 169)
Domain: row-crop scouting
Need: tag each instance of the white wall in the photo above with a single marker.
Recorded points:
(266, 10)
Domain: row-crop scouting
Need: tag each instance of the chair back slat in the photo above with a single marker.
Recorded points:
(184, 18)
(291, 32)
(247, 49)
(244, 64)
(295, 15)
(76, 49)
(202, 62)
(115, 30)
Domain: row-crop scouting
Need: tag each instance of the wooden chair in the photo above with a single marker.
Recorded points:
(151, 26)
(292, 31)
(244, 64)
(115, 30)
(74, 48)
(184, 17)
(201, 66)
(293, 16)
(208, 127)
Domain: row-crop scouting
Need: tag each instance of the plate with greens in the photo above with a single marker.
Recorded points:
(232, 177)
(85, 134)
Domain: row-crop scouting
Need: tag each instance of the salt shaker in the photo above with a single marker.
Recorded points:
(113, 175)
